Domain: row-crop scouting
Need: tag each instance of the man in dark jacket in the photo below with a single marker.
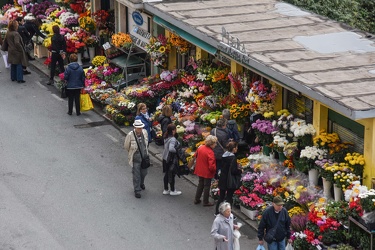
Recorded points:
(32, 26)
(58, 49)
(75, 77)
(275, 216)
(221, 133)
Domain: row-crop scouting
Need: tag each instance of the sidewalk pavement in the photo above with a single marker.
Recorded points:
(155, 150)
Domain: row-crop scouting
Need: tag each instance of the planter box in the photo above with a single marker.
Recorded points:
(40, 51)
(252, 214)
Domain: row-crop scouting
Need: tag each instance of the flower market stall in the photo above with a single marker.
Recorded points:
(317, 173)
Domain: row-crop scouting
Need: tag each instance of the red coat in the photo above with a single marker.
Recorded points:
(205, 165)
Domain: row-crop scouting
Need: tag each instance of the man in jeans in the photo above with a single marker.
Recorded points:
(275, 216)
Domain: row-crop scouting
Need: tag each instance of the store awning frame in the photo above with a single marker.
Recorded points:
(185, 35)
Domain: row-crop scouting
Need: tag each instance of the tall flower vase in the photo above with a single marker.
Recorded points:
(327, 185)
(79, 58)
(313, 177)
(91, 53)
(85, 53)
(337, 192)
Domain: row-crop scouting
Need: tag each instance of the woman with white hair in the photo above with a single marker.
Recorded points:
(223, 228)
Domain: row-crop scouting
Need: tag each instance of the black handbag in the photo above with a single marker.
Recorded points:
(233, 181)
(145, 163)
(63, 92)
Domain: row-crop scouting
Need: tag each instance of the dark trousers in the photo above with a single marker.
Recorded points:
(56, 58)
(74, 96)
(16, 72)
(225, 195)
(219, 165)
(169, 178)
(204, 185)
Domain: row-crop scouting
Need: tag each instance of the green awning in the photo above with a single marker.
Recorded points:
(192, 39)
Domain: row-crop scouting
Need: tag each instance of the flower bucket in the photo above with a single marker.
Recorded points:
(252, 214)
(327, 185)
(91, 53)
(79, 58)
(282, 156)
(337, 193)
(266, 150)
(313, 177)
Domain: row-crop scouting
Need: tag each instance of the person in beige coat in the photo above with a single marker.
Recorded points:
(134, 155)
(16, 53)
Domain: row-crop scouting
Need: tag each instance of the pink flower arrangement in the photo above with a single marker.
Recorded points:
(251, 201)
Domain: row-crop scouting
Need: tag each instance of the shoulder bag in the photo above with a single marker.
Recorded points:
(4, 46)
(145, 163)
(233, 181)
(219, 141)
(270, 235)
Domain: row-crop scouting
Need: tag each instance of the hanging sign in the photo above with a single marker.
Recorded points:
(137, 18)
(139, 28)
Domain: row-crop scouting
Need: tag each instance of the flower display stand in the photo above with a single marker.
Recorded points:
(252, 214)
(327, 185)
(40, 51)
(313, 177)
(337, 192)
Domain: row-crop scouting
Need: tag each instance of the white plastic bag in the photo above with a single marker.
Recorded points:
(289, 247)
(5, 58)
(236, 236)
(260, 247)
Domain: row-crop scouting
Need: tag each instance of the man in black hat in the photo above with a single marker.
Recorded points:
(274, 227)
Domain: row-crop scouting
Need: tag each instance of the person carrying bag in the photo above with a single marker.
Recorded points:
(136, 144)
(274, 227)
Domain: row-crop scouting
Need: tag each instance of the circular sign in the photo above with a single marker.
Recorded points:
(137, 18)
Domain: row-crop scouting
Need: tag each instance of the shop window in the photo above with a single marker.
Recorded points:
(300, 106)
(347, 129)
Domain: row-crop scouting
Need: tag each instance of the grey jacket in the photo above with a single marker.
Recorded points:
(223, 227)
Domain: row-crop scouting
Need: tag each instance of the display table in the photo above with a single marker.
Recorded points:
(355, 227)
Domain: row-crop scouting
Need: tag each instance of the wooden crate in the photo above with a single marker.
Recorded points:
(40, 51)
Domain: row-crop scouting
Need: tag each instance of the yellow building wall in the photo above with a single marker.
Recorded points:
(200, 54)
(172, 56)
(368, 152)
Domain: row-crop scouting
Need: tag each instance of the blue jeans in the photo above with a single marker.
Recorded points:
(277, 245)
(16, 72)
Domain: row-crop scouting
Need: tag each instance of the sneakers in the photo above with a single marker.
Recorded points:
(166, 192)
(175, 192)
(137, 195)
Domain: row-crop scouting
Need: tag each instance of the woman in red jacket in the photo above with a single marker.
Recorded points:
(205, 169)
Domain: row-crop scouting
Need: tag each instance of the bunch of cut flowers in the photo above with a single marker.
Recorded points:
(158, 49)
(122, 40)
(87, 23)
(261, 96)
(181, 44)
(356, 161)
(251, 201)
(99, 61)
(309, 155)
(264, 130)
(303, 132)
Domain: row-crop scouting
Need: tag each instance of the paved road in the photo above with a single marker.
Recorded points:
(65, 184)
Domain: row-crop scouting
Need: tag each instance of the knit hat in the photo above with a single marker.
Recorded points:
(278, 200)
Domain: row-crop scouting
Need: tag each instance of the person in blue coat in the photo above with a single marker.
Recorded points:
(142, 114)
(75, 77)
